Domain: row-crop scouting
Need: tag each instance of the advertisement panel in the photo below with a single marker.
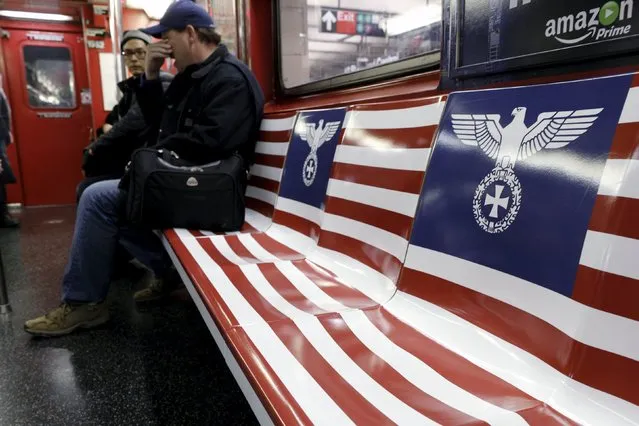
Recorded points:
(501, 35)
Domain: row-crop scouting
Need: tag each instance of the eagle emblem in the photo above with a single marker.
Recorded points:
(500, 189)
(315, 137)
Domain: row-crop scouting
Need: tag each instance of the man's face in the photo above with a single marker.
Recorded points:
(134, 52)
(181, 42)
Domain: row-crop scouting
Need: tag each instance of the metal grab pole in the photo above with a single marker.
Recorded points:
(5, 308)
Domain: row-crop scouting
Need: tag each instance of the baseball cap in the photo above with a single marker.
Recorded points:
(178, 16)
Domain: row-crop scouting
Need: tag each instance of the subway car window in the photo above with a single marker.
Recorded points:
(49, 76)
(226, 22)
(322, 39)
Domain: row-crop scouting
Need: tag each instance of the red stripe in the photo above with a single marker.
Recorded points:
(260, 206)
(282, 136)
(333, 287)
(269, 160)
(297, 223)
(393, 381)
(210, 249)
(615, 215)
(635, 81)
(197, 234)
(393, 222)
(276, 248)
(247, 228)
(625, 142)
(243, 285)
(349, 400)
(278, 401)
(365, 253)
(418, 137)
(396, 180)
(607, 292)
(278, 115)
(356, 407)
(239, 249)
(288, 291)
(220, 312)
(597, 368)
(274, 395)
(263, 183)
(389, 106)
(462, 372)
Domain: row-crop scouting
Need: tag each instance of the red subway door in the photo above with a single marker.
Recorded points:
(48, 91)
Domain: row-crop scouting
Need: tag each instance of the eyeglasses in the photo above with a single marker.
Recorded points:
(140, 53)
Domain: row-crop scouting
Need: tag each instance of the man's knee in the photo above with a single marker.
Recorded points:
(101, 195)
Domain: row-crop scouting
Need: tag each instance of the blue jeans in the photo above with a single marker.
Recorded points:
(97, 234)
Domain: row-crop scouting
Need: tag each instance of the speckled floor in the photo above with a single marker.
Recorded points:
(155, 365)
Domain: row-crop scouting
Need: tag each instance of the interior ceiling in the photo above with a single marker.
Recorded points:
(66, 7)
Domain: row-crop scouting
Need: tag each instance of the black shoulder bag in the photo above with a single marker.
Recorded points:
(165, 191)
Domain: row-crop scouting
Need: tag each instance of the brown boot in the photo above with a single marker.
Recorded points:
(67, 318)
(154, 289)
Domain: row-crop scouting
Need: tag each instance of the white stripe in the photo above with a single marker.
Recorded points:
(222, 245)
(376, 237)
(387, 199)
(611, 253)
(424, 377)
(310, 213)
(312, 329)
(261, 194)
(630, 112)
(387, 158)
(247, 389)
(588, 325)
(421, 116)
(620, 179)
(277, 124)
(373, 284)
(309, 289)
(271, 148)
(291, 238)
(257, 220)
(267, 172)
(256, 250)
(347, 118)
(585, 405)
(311, 397)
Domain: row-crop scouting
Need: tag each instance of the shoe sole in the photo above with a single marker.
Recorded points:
(83, 325)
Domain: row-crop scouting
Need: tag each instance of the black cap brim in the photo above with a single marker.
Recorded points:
(155, 31)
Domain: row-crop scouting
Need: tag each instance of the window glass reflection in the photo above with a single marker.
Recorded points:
(50, 78)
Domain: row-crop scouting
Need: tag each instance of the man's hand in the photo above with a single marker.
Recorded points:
(106, 128)
(155, 56)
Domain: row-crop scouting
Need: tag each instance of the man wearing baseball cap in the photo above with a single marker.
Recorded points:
(212, 109)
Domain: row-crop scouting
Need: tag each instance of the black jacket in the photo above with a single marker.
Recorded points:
(209, 111)
(112, 150)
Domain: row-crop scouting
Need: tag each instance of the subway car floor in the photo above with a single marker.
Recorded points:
(151, 365)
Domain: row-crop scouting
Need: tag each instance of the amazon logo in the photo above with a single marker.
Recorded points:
(598, 23)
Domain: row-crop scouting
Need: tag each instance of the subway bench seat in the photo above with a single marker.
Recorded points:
(460, 260)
